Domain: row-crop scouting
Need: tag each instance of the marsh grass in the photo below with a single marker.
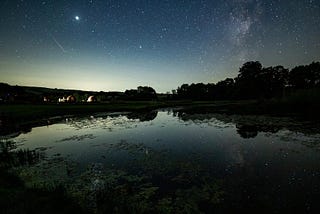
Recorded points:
(176, 189)
(16, 197)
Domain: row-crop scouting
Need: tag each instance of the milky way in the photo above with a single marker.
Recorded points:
(114, 45)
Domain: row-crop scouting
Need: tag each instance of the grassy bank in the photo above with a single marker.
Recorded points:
(24, 112)
(27, 112)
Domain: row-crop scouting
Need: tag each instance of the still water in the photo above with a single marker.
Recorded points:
(171, 161)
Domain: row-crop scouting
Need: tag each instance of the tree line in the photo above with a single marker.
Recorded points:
(25, 94)
(254, 82)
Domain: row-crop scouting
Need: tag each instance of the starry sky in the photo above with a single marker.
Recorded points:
(113, 45)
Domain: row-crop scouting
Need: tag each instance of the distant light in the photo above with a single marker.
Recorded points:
(77, 18)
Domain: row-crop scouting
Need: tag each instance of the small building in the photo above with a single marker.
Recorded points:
(46, 99)
(92, 99)
(71, 99)
(62, 100)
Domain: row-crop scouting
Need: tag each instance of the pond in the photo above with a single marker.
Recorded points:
(176, 161)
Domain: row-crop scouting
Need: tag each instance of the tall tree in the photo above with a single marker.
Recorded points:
(273, 80)
(248, 82)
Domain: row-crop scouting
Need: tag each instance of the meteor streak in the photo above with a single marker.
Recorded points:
(59, 45)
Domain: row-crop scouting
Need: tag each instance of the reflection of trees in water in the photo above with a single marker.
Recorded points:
(251, 131)
(246, 131)
(7, 128)
(249, 126)
(143, 116)
(11, 129)
(109, 122)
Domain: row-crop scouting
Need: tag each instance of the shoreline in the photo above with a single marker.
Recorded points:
(17, 118)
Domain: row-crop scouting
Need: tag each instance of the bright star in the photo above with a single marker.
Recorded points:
(77, 18)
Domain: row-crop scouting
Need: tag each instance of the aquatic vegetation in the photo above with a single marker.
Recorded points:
(140, 196)
(161, 185)
(14, 158)
(16, 197)
(152, 186)
(125, 145)
(77, 138)
(7, 146)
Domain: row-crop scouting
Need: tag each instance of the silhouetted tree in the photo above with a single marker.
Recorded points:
(305, 76)
(147, 93)
(248, 82)
(299, 77)
(198, 91)
(224, 89)
(315, 70)
(141, 93)
(272, 81)
(183, 91)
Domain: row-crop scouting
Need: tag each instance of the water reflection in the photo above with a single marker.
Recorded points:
(246, 131)
(246, 126)
(177, 161)
(13, 130)
(249, 126)
(143, 116)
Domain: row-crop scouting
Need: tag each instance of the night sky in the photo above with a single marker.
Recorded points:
(121, 44)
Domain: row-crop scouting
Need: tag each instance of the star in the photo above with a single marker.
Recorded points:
(205, 40)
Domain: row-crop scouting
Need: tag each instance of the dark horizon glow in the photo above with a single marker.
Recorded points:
(121, 44)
